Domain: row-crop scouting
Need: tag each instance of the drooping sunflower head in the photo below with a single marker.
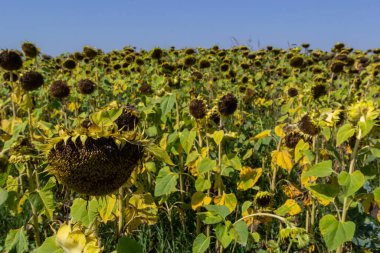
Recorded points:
(263, 200)
(59, 89)
(197, 108)
(86, 86)
(318, 91)
(227, 105)
(10, 60)
(30, 50)
(292, 92)
(69, 64)
(362, 110)
(156, 53)
(307, 126)
(31, 80)
(296, 61)
(128, 119)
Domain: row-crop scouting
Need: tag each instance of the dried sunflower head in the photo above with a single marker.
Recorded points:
(307, 126)
(59, 89)
(86, 86)
(31, 80)
(10, 60)
(197, 108)
(227, 105)
(263, 199)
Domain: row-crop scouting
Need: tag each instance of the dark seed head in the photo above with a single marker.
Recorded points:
(59, 89)
(29, 49)
(31, 80)
(204, 63)
(89, 52)
(129, 118)
(156, 53)
(227, 104)
(69, 64)
(86, 86)
(307, 126)
(318, 91)
(337, 67)
(197, 108)
(97, 167)
(10, 60)
(296, 61)
(292, 138)
(292, 92)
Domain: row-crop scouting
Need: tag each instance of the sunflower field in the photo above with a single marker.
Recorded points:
(190, 150)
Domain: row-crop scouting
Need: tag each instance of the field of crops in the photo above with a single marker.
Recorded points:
(190, 150)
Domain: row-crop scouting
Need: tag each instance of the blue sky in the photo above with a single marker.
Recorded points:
(66, 26)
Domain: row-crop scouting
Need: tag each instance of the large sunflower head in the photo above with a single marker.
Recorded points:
(197, 108)
(227, 105)
(10, 60)
(31, 80)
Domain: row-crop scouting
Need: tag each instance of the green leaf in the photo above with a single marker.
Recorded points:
(365, 127)
(202, 184)
(335, 233)
(344, 133)
(43, 200)
(351, 182)
(167, 104)
(221, 232)
(206, 165)
(50, 246)
(221, 210)
(84, 211)
(376, 194)
(129, 245)
(241, 232)
(218, 136)
(201, 243)
(106, 117)
(192, 157)
(166, 182)
(210, 218)
(187, 139)
(159, 153)
(16, 240)
(322, 169)
(325, 191)
(3, 196)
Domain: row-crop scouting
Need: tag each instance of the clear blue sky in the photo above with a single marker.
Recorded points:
(66, 26)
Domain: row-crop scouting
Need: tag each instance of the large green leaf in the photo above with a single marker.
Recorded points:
(50, 246)
(187, 139)
(167, 104)
(240, 231)
(206, 165)
(344, 133)
(16, 240)
(84, 211)
(43, 200)
(166, 182)
(201, 243)
(221, 210)
(365, 127)
(129, 245)
(322, 169)
(159, 153)
(106, 117)
(335, 233)
(351, 182)
(221, 232)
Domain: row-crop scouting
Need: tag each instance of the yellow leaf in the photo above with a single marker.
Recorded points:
(248, 178)
(106, 206)
(229, 200)
(218, 136)
(283, 159)
(278, 131)
(263, 134)
(199, 199)
(290, 207)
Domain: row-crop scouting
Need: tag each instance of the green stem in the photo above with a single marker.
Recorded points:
(121, 210)
(346, 203)
(32, 188)
(273, 183)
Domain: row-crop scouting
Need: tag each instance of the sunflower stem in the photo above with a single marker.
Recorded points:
(32, 188)
(121, 211)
